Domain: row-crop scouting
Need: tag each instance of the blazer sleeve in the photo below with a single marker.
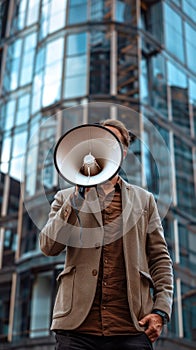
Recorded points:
(55, 234)
(159, 261)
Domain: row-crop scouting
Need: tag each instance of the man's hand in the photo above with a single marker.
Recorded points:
(153, 324)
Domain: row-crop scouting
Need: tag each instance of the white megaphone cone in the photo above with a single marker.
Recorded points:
(88, 155)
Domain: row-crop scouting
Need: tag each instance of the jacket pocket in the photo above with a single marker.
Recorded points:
(147, 291)
(64, 298)
(147, 276)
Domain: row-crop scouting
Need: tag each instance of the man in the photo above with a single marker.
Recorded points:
(116, 289)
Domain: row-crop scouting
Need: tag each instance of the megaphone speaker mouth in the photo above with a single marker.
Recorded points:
(90, 166)
(88, 155)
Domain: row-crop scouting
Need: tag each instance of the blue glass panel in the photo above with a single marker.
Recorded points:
(190, 33)
(76, 44)
(75, 86)
(173, 32)
(124, 11)
(9, 114)
(33, 11)
(77, 11)
(189, 8)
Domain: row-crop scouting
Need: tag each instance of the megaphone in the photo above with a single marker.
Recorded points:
(88, 155)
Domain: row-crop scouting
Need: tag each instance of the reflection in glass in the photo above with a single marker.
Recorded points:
(77, 7)
(189, 8)
(8, 114)
(33, 11)
(6, 147)
(53, 14)
(190, 33)
(20, 7)
(53, 72)
(179, 97)
(76, 72)
(22, 114)
(40, 305)
(125, 11)
(173, 32)
(28, 59)
(38, 80)
(99, 63)
(192, 95)
(184, 177)
(159, 85)
(144, 81)
(13, 61)
(5, 295)
(189, 310)
(97, 9)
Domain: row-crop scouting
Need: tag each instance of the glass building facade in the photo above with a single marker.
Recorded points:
(59, 60)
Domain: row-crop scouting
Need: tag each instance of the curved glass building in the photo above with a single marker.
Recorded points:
(69, 62)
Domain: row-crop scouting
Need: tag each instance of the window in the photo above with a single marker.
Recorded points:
(10, 242)
(28, 59)
(5, 293)
(159, 85)
(18, 152)
(5, 152)
(192, 96)
(33, 11)
(37, 89)
(190, 33)
(29, 233)
(19, 17)
(99, 9)
(41, 304)
(39, 169)
(4, 6)
(53, 72)
(22, 306)
(53, 15)
(187, 247)
(8, 115)
(189, 8)
(34, 299)
(179, 97)
(184, 177)
(127, 65)
(76, 65)
(77, 7)
(125, 11)
(144, 81)
(19, 63)
(173, 33)
(45, 161)
(189, 311)
(157, 163)
(25, 14)
(22, 114)
(99, 63)
(12, 69)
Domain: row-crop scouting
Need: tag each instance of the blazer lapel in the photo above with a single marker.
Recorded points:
(127, 207)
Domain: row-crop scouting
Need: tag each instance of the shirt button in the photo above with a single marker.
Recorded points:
(94, 272)
(104, 307)
(105, 283)
(97, 245)
(66, 212)
(106, 261)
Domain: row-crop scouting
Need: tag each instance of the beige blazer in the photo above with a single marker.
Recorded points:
(148, 265)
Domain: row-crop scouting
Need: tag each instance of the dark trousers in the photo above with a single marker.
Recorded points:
(78, 341)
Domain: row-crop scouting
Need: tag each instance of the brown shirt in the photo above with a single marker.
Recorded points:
(109, 314)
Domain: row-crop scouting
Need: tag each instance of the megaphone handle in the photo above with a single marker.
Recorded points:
(81, 191)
